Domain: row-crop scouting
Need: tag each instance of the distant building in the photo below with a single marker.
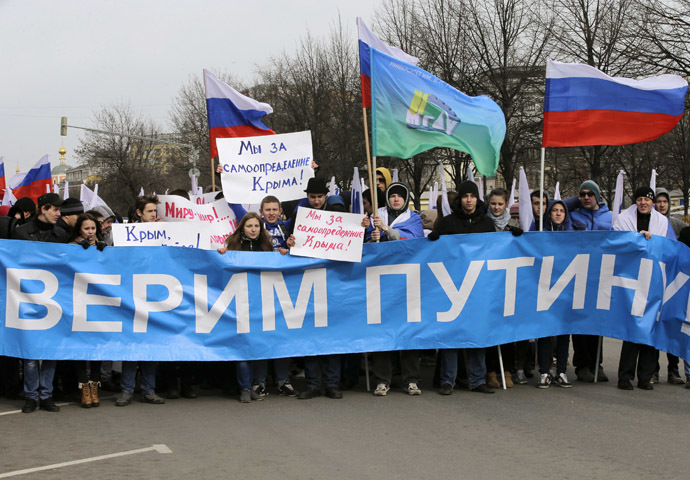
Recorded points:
(59, 172)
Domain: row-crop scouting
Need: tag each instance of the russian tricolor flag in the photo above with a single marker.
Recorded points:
(584, 106)
(3, 183)
(368, 39)
(231, 114)
(35, 181)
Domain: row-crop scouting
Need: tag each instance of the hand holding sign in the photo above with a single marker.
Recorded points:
(330, 235)
(254, 167)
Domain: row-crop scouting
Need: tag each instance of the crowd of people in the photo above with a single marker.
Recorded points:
(65, 221)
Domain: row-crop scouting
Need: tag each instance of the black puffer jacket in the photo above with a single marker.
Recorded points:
(460, 222)
(39, 231)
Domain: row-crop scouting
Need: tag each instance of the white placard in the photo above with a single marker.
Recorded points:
(204, 198)
(157, 234)
(329, 235)
(254, 167)
(218, 216)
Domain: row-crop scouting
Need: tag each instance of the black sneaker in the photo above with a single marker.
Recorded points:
(333, 392)
(645, 385)
(287, 389)
(601, 375)
(446, 389)
(30, 405)
(483, 388)
(584, 374)
(625, 384)
(48, 405)
(309, 393)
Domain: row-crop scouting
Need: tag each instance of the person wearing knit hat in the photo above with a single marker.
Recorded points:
(69, 212)
(588, 212)
(466, 217)
(395, 221)
(638, 358)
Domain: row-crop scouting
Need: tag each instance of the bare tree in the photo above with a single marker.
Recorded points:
(124, 164)
(317, 89)
(510, 40)
(665, 25)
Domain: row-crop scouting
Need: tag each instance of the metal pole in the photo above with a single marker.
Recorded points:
(500, 363)
(541, 192)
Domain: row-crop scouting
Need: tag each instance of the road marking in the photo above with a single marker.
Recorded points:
(160, 448)
(19, 411)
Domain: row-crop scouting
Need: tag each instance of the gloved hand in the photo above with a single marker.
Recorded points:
(85, 244)
(100, 246)
(433, 236)
(516, 231)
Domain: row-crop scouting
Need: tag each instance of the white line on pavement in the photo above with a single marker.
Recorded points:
(19, 411)
(160, 448)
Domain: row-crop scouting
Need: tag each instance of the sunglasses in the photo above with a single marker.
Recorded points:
(587, 194)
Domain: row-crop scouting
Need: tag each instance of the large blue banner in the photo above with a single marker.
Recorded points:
(172, 303)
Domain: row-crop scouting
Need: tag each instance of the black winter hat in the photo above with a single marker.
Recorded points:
(71, 206)
(468, 187)
(646, 192)
(49, 199)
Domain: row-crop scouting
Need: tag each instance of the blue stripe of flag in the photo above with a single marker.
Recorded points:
(584, 93)
(223, 113)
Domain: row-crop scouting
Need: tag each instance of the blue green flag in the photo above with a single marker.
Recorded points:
(414, 111)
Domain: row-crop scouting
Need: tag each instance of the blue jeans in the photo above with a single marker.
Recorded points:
(476, 362)
(281, 367)
(686, 366)
(328, 365)
(148, 376)
(244, 375)
(38, 380)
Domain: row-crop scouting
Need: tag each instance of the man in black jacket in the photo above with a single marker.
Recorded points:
(38, 375)
(467, 217)
(20, 213)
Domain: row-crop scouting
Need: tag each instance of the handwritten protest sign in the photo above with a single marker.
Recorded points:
(155, 234)
(203, 198)
(329, 235)
(218, 216)
(254, 167)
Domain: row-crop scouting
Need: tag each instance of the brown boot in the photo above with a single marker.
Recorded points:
(85, 395)
(508, 377)
(492, 380)
(94, 393)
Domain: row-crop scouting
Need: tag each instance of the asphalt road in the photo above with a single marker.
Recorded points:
(590, 431)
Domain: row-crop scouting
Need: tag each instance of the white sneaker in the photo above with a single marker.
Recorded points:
(562, 381)
(413, 389)
(381, 390)
(544, 380)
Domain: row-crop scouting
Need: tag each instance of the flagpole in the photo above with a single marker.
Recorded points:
(213, 175)
(366, 143)
(541, 192)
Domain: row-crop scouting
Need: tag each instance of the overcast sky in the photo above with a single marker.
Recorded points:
(72, 57)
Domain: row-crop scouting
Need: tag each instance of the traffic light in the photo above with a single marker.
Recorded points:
(63, 126)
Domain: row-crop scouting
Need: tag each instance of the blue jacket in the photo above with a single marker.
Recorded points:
(583, 219)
